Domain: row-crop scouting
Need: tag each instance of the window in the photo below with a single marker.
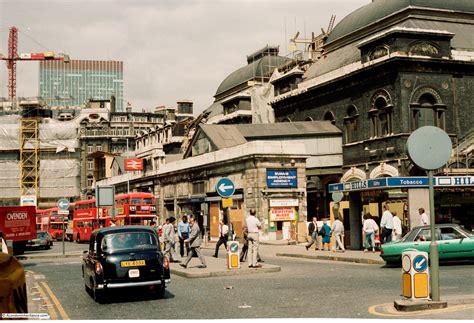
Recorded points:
(329, 116)
(428, 112)
(90, 148)
(350, 123)
(380, 114)
(198, 188)
(98, 148)
(450, 234)
(90, 164)
(90, 181)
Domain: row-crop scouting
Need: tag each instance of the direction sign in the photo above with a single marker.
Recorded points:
(225, 187)
(63, 204)
(132, 164)
(420, 263)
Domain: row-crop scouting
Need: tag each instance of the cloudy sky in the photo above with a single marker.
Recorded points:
(171, 49)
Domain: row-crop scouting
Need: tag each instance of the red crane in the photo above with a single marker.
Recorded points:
(13, 57)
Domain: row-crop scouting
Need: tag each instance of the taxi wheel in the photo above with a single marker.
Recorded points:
(159, 292)
(99, 295)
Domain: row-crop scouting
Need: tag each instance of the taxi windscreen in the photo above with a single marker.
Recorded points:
(128, 240)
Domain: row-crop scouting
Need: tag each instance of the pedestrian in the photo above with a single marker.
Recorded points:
(370, 229)
(254, 226)
(245, 246)
(183, 234)
(170, 240)
(424, 218)
(194, 242)
(223, 237)
(163, 230)
(337, 229)
(397, 227)
(3, 245)
(325, 233)
(113, 222)
(386, 224)
(313, 233)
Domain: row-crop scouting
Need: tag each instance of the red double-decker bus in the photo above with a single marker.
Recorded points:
(49, 220)
(86, 218)
(135, 208)
(131, 209)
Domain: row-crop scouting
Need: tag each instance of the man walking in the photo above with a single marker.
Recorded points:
(253, 227)
(194, 241)
(397, 227)
(338, 230)
(425, 220)
(313, 233)
(169, 237)
(223, 236)
(387, 225)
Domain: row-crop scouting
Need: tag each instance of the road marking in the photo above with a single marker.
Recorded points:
(56, 302)
(390, 310)
(52, 312)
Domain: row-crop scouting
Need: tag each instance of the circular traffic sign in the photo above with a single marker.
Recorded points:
(337, 196)
(429, 147)
(234, 247)
(225, 187)
(63, 204)
(420, 263)
(406, 263)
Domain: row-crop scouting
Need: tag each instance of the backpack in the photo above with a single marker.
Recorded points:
(322, 231)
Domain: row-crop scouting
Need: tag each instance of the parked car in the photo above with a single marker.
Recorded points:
(43, 240)
(454, 242)
(124, 257)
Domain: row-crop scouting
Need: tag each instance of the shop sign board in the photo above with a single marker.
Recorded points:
(282, 178)
(282, 214)
(283, 202)
(403, 182)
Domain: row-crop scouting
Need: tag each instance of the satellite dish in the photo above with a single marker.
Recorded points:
(429, 147)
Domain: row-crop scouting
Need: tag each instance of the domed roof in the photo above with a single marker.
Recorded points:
(379, 9)
(257, 69)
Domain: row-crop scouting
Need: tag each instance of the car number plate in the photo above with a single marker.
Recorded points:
(132, 263)
(134, 273)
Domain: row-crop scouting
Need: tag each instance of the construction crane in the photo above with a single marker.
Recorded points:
(13, 57)
(315, 44)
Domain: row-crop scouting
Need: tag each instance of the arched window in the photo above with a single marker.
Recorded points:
(428, 110)
(380, 115)
(329, 116)
(350, 124)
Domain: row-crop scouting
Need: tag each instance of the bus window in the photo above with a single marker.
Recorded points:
(136, 201)
(147, 201)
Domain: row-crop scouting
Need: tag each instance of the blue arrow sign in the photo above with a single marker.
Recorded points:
(225, 187)
(420, 263)
(63, 204)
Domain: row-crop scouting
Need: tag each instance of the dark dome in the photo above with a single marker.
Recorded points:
(257, 69)
(379, 9)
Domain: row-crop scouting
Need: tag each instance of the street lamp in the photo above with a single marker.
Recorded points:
(128, 173)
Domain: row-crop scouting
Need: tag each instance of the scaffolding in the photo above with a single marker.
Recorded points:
(29, 159)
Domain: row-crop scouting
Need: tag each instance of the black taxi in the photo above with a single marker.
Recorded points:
(124, 257)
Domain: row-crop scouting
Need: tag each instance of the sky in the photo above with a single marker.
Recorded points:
(171, 49)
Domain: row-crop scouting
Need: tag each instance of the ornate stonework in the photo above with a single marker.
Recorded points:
(353, 174)
(384, 170)
(378, 52)
(424, 49)
(426, 90)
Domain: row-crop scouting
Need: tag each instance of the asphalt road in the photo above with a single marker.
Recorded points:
(303, 289)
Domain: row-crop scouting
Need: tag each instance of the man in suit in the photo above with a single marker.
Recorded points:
(313, 233)
(194, 241)
(170, 240)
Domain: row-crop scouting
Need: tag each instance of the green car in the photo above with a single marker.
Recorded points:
(454, 242)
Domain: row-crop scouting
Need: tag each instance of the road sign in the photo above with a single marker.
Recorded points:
(420, 263)
(132, 164)
(227, 202)
(63, 204)
(225, 187)
(63, 212)
(233, 255)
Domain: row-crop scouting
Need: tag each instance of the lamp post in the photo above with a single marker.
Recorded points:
(128, 173)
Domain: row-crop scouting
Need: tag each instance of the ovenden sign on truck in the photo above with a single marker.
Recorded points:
(18, 223)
